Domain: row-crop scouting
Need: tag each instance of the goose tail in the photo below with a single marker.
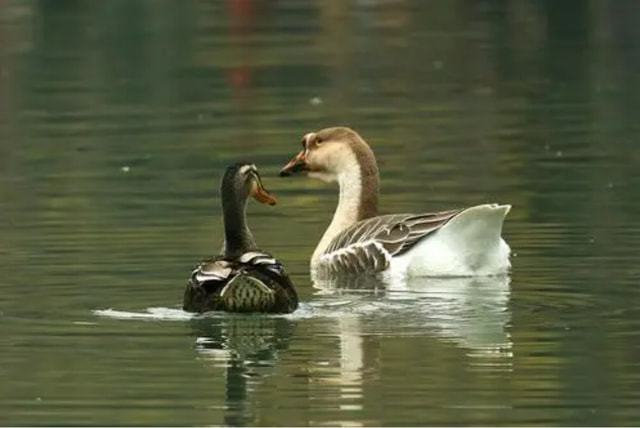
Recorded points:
(470, 244)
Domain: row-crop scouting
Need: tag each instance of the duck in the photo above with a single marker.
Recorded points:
(242, 278)
(459, 242)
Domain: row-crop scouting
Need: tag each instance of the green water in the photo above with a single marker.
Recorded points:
(117, 119)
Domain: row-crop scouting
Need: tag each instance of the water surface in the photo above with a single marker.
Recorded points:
(117, 119)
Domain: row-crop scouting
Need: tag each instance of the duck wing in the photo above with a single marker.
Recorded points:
(212, 270)
(253, 281)
(369, 245)
(220, 270)
(268, 270)
(260, 260)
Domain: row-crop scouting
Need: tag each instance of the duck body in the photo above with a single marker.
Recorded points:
(242, 278)
(252, 282)
(462, 242)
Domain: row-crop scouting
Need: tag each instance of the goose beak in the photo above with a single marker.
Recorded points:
(261, 194)
(297, 164)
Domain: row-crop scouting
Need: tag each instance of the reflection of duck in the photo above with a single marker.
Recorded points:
(251, 340)
(461, 242)
(243, 278)
(247, 347)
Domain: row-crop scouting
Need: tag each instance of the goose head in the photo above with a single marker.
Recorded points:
(243, 180)
(331, 152)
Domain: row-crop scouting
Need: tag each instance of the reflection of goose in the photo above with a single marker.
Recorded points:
(351, 363)
(243, 278)
(471, 312)
(247, 347)
(461, 242)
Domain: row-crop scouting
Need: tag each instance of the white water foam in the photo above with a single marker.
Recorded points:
(471, 313)
(318, 309)
(162, 314)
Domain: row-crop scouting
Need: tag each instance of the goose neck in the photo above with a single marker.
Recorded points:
(358, 200)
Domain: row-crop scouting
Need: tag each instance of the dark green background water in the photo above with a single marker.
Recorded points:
(118, 117)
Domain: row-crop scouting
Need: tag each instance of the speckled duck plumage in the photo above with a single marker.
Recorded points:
(243, 278)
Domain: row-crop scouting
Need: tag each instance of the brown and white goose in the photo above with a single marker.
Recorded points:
(462, 242)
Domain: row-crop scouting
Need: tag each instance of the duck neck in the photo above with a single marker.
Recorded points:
(237, 236)
(358, 199)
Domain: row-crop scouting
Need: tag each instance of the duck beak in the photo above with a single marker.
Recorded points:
(261, 194)
(297, 164)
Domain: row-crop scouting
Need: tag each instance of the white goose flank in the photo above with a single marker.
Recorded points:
(461, 242)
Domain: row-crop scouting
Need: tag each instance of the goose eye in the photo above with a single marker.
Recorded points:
(319, 140)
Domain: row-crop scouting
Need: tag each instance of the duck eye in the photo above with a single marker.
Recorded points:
(245, 170)
(249, 178)
(319, 140)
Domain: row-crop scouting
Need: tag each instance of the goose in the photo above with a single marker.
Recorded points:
(242, 278)
(459, 242)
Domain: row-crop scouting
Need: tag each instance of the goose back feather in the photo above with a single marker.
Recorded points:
(369, 245)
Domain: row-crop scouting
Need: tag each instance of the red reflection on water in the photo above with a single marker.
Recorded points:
(242, 22)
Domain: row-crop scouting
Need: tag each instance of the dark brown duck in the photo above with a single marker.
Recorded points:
(242, 278)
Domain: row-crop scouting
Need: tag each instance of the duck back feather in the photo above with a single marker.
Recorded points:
(253, 282)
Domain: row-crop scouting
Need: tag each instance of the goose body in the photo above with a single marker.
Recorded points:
(463, 242)
(242, 278)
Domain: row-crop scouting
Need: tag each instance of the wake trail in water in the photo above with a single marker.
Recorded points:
(163, 314)
(318, 309)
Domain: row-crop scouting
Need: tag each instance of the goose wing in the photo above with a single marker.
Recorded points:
(369, 245)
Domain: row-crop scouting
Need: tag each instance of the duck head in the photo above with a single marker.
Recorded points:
(330, 152)
(243, 180)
